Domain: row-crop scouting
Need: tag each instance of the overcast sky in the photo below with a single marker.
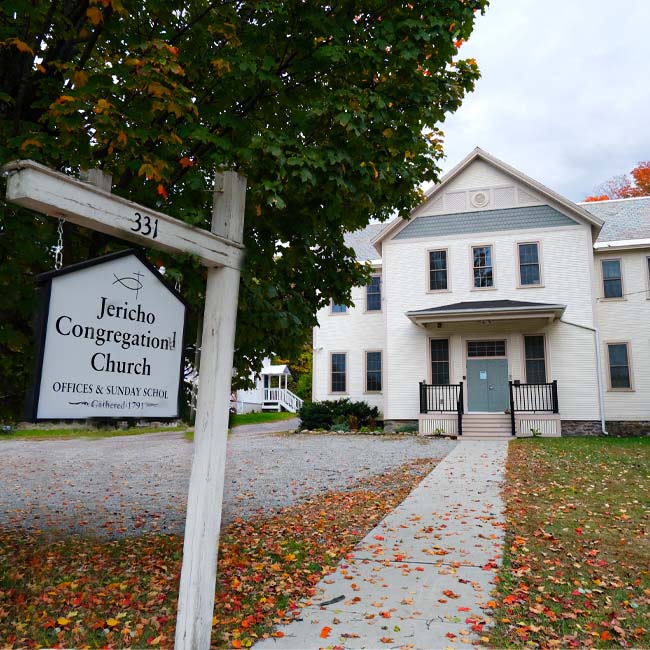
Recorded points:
(565, 91)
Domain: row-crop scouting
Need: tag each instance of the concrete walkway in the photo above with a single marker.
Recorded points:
(420, 578)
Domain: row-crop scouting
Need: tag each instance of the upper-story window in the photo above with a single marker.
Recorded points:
(529, 271)
(647, 259)
(339, 309)
(482, 267)
(612, 279)
(373, 294)
(438, 271)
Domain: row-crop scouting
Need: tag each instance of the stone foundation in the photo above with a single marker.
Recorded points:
(628, 428)
(581, 428)
(390, 426)
(614, 428)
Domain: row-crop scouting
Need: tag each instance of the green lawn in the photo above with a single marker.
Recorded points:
(576, 569)
(257, 418)
(43, 434)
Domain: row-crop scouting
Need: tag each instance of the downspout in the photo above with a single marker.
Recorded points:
(599, 372)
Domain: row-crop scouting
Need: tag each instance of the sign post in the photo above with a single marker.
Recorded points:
(37, 187)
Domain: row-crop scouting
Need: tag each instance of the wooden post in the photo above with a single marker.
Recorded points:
(198, 575)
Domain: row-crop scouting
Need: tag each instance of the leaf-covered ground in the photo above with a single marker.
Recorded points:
(576, 569)
(74, 592)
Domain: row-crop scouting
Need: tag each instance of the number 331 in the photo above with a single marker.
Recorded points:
(143, 225)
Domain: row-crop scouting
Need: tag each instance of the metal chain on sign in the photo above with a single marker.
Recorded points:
(58, 249)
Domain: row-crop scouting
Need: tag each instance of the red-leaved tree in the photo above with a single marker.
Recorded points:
(625, 186)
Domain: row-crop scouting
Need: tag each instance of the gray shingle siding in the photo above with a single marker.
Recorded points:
(524, 218)
(360, 240)
(626, 219)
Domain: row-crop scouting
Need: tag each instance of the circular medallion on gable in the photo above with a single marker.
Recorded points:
(480, 199)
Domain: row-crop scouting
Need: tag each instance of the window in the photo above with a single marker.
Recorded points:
(339, 372)
(612, 279)
(619, 365)
(439, 361)
(529, 274)
(339, 309)
(486, 348)
(482, 267)
(373, 294)
(535, 361)
(438, 270)
(373, 372)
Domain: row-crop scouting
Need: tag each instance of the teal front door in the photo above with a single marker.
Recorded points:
(487, 385)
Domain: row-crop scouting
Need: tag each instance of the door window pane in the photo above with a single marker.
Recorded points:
(535, 361)
(373, 294)
(338, 372)
(612, 280)
(529, 264)
(439, 361)
(373, 371)
(482, 263)
(438, 270)
(486, 349)
(619, 365)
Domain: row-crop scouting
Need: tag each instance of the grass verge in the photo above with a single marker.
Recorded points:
(74, 592)
(258, 418)
(576, 571)
(44, 434)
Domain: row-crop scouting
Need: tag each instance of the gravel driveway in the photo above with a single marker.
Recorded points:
(115, 486)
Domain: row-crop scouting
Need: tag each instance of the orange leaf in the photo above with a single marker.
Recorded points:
(95, 15)
(605, 636)
(185, 162)
(162, 191)
(235, 643)
(278, 634)
(325, 632)
(386, 639)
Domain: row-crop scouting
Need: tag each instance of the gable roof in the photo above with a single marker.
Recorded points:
(480, 154)
(361, 241)
(625, 219)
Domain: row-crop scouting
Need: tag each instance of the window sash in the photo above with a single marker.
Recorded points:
(619, 365)
(338, 372)
(373, 294)
(486, 349)
(439, 361)
(529, 273)
(534, 352)
(438, 280)
(612, 279)
(482, 267)
(373, 372)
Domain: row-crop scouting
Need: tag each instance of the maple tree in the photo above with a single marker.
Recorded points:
(331, 111)
(624, 186)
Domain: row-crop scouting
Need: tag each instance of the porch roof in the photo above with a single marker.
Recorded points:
(276, 370)
(477, 310)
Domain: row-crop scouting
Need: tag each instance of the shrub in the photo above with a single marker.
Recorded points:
(339, 428)
(317, 415)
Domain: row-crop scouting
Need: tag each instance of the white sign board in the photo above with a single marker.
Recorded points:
(112, 342)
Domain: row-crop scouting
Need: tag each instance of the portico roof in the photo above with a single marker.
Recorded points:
(276, 370)
(477, 310)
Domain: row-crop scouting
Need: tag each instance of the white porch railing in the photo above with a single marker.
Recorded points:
(282, 398)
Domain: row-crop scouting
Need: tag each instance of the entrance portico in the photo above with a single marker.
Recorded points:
(494, 357)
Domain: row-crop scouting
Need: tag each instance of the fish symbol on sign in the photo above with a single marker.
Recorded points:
(131, 282)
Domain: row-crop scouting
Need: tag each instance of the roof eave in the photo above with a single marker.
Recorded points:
(550, 312)
(622, 244)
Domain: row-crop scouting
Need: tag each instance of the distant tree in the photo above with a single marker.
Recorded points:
(625, 186)
(332, 111)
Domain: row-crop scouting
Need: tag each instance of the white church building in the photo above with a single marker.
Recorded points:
(498, 308)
